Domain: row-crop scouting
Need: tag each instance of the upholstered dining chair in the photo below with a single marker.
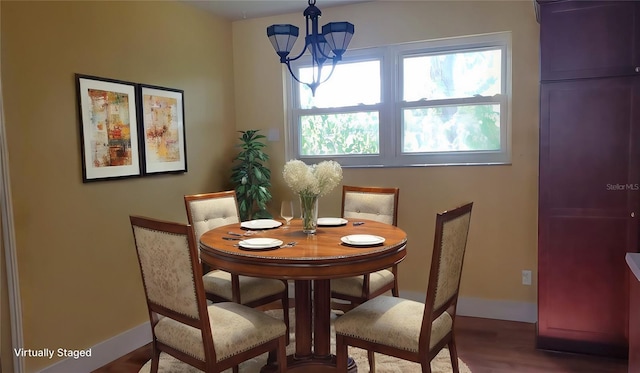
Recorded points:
(211, 210)
(210, 338)
(407, 329)
(373, 203)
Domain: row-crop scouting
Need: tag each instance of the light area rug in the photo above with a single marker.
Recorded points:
(384, 363)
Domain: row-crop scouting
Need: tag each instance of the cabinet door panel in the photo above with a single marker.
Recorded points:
(588, 145)
(585, 280)
(583, 39)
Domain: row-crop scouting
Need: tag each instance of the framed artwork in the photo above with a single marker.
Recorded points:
(108, 128)
(162, 130)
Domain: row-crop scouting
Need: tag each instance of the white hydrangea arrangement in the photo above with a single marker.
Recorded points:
(312, 180)
(311, 183)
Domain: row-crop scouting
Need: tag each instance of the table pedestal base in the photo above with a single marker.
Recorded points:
(311, 365)
(312, 332)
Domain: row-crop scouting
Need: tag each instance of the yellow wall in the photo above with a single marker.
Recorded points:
(503, 238)
(79, 277)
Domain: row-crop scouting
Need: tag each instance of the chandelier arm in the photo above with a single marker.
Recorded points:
(333, 67)
(293, 74)
(290, 59)
(312, 85)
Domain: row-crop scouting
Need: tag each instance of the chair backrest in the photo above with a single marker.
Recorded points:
(171, 273)
(450, 242)
(211, 210)
(373, 203)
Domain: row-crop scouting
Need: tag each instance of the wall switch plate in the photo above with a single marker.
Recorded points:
(526, 277)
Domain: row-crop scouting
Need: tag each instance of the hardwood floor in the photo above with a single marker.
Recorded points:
(495, 346)
(487, 346)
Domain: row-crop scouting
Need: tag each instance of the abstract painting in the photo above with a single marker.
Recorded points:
(162, 129)
(108, 127)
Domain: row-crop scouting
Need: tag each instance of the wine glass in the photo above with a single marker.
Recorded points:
(286, 211)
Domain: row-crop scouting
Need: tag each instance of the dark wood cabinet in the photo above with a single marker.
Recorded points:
(589, 173)
(585, 39)
(588, 215)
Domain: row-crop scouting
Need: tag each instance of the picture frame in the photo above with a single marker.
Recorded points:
(108, 128)
(163, 138)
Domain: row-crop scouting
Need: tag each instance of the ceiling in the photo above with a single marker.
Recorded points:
(242, 9)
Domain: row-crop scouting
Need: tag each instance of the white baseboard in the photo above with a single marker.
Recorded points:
(105, 352)
(291, 289)
(487, 308)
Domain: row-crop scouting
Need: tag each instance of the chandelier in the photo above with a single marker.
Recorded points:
(329, 45)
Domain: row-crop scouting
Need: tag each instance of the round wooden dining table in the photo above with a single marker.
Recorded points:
(311, 263)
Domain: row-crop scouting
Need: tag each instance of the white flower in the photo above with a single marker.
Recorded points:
(318, 179)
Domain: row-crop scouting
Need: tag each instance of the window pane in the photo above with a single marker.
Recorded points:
(451, 128)
(350, 84)
(336, 134)
(455, 75)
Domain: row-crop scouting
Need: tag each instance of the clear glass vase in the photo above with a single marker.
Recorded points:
(309, 209)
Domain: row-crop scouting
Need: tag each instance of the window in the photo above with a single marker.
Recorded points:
(427, 103)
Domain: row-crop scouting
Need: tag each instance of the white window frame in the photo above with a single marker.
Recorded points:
(391, 105)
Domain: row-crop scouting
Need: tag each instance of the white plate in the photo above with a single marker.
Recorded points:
(259, 243)
(331, 221)
(362, 239)
(260, 224)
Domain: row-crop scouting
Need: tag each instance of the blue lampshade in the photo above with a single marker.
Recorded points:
(282, 38)
(324, 48)
(338, 35)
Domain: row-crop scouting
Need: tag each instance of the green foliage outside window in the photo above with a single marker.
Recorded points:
(334, 134)
(452, 128)
(486, 134)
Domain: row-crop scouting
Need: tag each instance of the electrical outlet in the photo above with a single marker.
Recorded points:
(526, 277)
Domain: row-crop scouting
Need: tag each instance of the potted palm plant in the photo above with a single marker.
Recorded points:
(251, 178)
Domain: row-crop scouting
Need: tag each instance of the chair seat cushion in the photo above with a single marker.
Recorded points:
(391, 321)
(251, 288)
(235, 329)
(352, 286)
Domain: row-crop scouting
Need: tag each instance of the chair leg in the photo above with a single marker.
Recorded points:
(282, 353)
(371, 356)
(426, 367)
(155, 360)
(454, 356)
(272, 357)
(341, 354)
(394, 291)
(236, 369)
(285, 313)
